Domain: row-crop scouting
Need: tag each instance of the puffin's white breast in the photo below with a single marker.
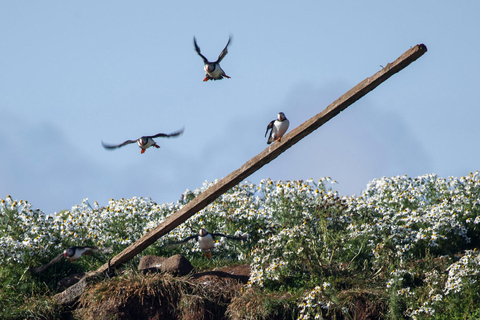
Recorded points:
(217, 73)
(150, 143)
(205, 242)
(78, 254)
(279, 128)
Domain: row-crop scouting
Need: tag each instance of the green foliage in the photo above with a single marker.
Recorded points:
(405, 248)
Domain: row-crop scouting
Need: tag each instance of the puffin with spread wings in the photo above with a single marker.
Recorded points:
(144, 142)
(213, 71)
(205, 240)
(72, 253)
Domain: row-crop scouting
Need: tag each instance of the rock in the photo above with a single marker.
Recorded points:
(176, 265)
(72, 293)
(69, 281)
(151, 263)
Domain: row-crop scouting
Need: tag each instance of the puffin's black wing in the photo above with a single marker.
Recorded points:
(184, 240)
(45, 267)
(197, 48)
(114, 146)
(270, 126)
(87, 248)
(229, 237)
(165, 135)
(224, 51)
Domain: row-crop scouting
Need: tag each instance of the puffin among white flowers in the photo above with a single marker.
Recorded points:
(72, 253)
(213, 71)
(279, 126)
(205, 240)
(145, 142)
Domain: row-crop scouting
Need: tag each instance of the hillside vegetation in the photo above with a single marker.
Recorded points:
(405, 248)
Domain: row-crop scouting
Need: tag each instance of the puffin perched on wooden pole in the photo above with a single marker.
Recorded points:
(278, 126)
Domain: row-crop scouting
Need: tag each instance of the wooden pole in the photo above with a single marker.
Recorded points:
(270, 153)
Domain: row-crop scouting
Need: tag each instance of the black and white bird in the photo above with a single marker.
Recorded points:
(72, 253)
(144, 142)
(278, 126)
(213, 71)
(205, 240)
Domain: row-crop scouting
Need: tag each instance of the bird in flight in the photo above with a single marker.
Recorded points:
(205, 240)
(72, 253)
(144, 142)
(278, 128)
(213, 71)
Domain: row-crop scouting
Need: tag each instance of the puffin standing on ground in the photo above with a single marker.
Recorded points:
(205, 240)
(279, 126)
(144, 142)
(213, 71)
(72, 253)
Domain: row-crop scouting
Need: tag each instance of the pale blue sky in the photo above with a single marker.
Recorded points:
(75, 73)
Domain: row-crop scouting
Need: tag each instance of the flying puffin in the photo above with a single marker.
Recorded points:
(213, 71)
(144, 142)
(205, 240)
(279, 126)
(72, 253)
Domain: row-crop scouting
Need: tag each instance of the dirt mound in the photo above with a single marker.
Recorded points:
(204, 295)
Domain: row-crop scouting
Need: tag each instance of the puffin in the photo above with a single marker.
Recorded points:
(72, 253)
(205, 241)
(144, 142)
(279, 126)
(213, 71)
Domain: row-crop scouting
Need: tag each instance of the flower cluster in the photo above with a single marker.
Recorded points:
(300, 212)
(299, 234)
(464, 272)
(314, 301)
(409, 215)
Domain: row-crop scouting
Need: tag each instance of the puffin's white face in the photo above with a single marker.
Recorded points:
(211, 67)
(203, 232)
(68, 253)
(145, 143)
(281, 116)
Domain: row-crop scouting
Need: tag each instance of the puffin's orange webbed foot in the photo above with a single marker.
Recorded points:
(208, 253)
(143, 151)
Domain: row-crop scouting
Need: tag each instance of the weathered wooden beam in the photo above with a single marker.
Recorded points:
(270, 153)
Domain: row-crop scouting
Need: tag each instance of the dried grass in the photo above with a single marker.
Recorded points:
(157, 296)
(255, 304)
